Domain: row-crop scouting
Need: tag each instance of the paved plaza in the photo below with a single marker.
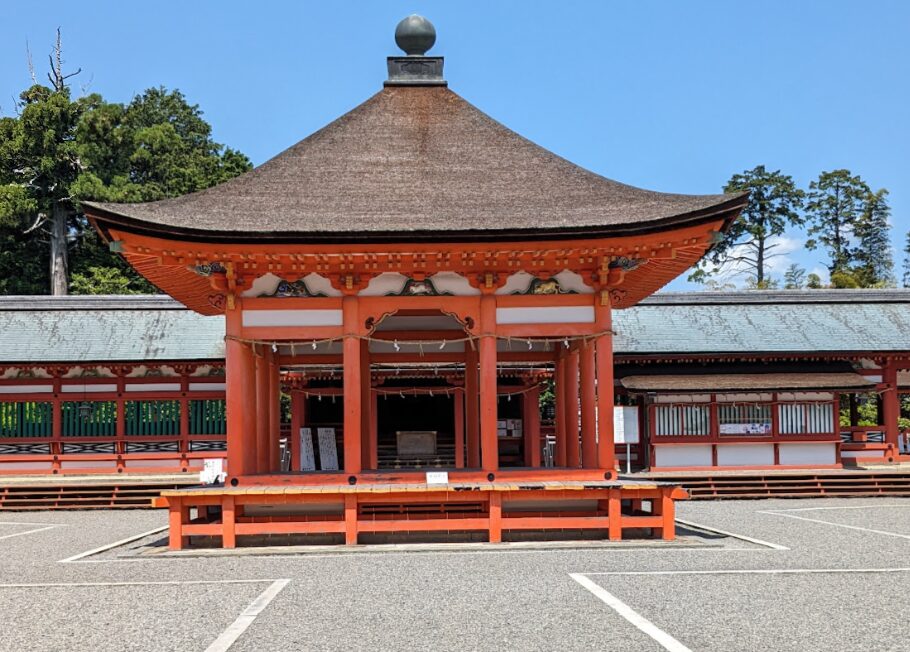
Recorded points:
(782, 575)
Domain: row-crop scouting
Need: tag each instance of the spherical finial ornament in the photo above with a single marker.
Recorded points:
(415, 35)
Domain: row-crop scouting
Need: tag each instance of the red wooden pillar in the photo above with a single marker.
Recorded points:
(274, 412)
(458, 407)
(890, 404)
(572, 409)
(120, 426)
(471, 398)
(374, 429)
(240, 373)
(263, 408)
(366, 418)
(531, 425)
(353, 394)
(559, 391)
(489, 443)
(588, 408)
(184, 415)
(603, 356)
(298, 419)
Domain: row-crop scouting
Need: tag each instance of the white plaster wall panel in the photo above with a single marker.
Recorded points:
(152, 387)
(452, 283)
(745, 454)
(569, 281)
(25, 389)
(265, 284)
(317, 284)
(687, 455)
(327, 317)
(88, 389)
(207, 387)
(868, 453)
(384, 284)
(516, 283)
(806, 453)
(546, 315)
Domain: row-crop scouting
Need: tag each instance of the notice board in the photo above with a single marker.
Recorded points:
(328, 451)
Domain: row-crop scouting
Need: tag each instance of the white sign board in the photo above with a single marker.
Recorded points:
(328, 451)
(625, 425)
(212, 471)
(307, 456)
(437, 477)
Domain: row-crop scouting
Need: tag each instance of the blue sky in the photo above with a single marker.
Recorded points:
(673, 96)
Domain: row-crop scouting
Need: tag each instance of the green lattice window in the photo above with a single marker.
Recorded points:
(208, 417)
(27, 419)
(88, 418)
(152, 417)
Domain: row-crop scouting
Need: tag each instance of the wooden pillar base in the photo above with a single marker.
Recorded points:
(495, 517)
(350, 519)
(228, 523)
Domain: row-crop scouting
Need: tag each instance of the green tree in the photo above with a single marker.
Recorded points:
(794, 277)
(774, 205)
(58, 151)
(38, 164)
(835, 202)
(906, 278)
(814, 282)
(874, 264)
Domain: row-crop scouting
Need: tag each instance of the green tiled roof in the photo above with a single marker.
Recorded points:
(135, 328)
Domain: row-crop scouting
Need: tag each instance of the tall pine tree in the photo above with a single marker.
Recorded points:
(906, 279)
(835, 203)
(874, 263)
(748, 246)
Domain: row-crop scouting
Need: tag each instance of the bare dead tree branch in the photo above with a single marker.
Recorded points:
(30, 63)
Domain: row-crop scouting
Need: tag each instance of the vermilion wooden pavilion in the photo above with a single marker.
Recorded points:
(416, 230)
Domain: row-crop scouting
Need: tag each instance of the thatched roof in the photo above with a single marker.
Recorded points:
(420, 162)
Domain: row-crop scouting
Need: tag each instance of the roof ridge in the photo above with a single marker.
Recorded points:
(38, 302)
(773, 297)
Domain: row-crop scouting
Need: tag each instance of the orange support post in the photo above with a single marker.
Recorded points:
(298, 406)
(350, 519)
(458, 407)
(241, 406)
(489, 443)
(606, 450)
(614, 514)
(531, 425)
(262, 408)
(560, 389)
(274, 412)
(890, 405)
(668, 512)
(353, 395)
(374, 430)
(178, 515)
(588, 408)
(228, 523)
(572, 453)
(471, 396)
(366, 410)
(495, 517)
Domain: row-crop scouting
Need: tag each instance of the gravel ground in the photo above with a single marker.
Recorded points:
(502, 599)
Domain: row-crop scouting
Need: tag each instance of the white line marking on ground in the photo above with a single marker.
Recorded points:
(663, 639)
(759, 571)
(741, 537)
(813, 509)
(229, 636)
(42, 585)
(108, 546)
(848, 527)
(29, 523)
(32, 531)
